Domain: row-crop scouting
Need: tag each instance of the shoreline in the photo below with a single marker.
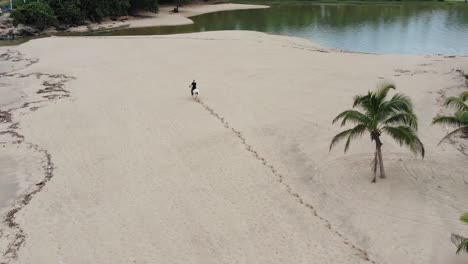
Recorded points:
(164, 17)
(300, 43)
(226, 160)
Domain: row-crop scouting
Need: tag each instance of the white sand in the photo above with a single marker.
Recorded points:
(165, 17)
(144, 174)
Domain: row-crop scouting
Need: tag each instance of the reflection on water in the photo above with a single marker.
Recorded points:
(376, 28)
(392, 28)
(13, 42)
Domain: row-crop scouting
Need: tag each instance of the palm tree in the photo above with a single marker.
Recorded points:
(461, 242)
(459, 119)
(376, 114)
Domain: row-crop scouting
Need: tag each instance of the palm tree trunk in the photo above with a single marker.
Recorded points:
(374, 169)
(379, 144)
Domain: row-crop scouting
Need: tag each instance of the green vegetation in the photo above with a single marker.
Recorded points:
(461, 242)
(393, 117)
(459, 119)
(76, 12)
(68, 12)
(38, 14)
(464, 218)
(149, 5)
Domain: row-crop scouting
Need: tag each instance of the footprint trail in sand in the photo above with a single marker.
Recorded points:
(280, 179)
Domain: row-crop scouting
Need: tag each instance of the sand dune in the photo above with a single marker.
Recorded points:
(141, 173)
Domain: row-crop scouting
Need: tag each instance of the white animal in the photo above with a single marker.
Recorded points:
(196, 92)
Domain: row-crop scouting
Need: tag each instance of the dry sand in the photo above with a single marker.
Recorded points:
(130, 169)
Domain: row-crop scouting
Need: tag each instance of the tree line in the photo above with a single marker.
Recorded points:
(46, 13)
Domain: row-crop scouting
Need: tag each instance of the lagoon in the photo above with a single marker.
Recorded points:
(372, 28)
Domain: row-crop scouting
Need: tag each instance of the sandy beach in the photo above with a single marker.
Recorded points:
(115, 163)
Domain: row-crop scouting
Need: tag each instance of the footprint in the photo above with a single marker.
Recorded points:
(279, 178)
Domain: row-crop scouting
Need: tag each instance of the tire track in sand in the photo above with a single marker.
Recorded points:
(360, 252)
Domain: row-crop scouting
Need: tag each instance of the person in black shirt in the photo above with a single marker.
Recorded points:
(193, 86)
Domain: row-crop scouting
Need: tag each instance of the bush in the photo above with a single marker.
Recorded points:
(67, 11)
(44, 13)
(36, 14)
(97, 10)
(114, 8)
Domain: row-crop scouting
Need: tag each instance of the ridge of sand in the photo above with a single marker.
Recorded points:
(145, 174)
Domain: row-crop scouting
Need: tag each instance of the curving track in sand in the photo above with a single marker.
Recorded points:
(280, 179)
(426, 180)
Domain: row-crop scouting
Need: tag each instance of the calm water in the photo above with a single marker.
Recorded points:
(383, 28)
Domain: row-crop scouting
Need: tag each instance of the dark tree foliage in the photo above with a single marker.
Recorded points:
(38, 14)
(75, 12)
(149, 5)
(67, 11)
(96, 10)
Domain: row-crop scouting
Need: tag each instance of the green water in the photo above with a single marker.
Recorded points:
(376, 28)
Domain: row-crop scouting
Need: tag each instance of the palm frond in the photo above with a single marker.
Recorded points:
(458, 119)
(463, 246)
(447, 120)
(402, 118)
(340, 136)
(457, 103)
(462, 116)
(405, 135)
(456, 239)
(464, 96)
(400, 103)
(356, 132)
(418, 147)
(349, 133)
(371, 104)
(456, 131)
(464, 218)
(383, 90)
(461, 243)
(351, 115)
(360, 100)
(357, 100)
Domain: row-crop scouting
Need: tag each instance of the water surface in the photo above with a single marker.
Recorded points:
(376, 28)
(408, 28)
